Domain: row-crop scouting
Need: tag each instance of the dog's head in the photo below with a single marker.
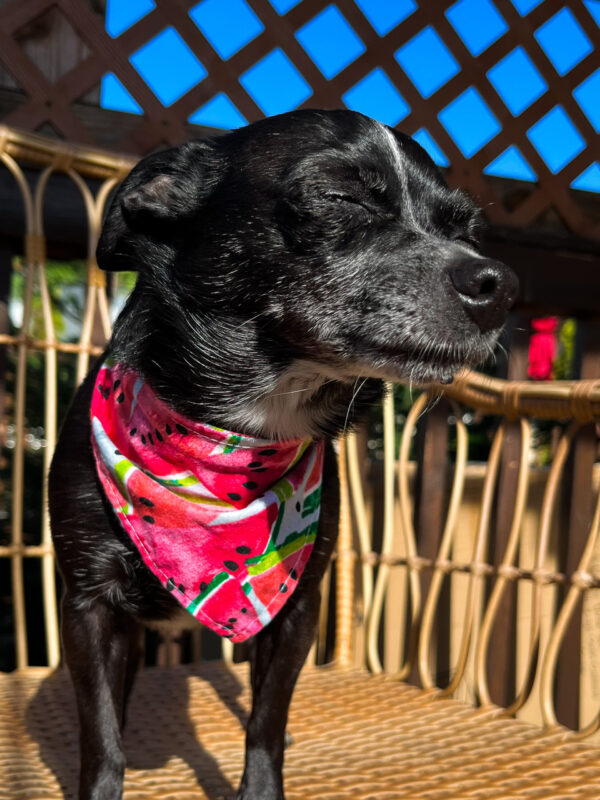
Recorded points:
(320, 243)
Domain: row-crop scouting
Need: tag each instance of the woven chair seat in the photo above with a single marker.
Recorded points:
(354, 736)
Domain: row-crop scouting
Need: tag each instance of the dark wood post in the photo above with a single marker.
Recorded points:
(431, 495)
(572, 539)
(501, 679)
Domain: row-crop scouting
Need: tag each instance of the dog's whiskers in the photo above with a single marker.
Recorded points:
(355, 393)
(248, 321)
(295, 391)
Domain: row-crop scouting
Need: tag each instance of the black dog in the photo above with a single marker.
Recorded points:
(284, 270)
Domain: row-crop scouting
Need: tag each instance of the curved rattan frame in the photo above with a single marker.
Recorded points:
(575, 402)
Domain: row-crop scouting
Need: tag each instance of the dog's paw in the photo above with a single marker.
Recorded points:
(244, 795)
(261, 792)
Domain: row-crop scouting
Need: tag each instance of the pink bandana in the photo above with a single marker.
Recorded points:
(225, 522)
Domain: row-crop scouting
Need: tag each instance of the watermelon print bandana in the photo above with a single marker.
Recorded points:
(226, 522)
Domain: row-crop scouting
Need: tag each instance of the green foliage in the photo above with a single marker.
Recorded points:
(66, 287)
(124, 282)
(545, 432)
(564, 363)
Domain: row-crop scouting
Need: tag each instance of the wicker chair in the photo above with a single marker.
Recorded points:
(400, 608)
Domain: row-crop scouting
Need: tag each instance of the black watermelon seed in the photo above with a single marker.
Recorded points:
(133, 432)
(181, 588)
(268, 452)
(250, 485)
(234, 495)
(182, 429)
(253, 464)
(117, 383)
(120, 398)
(106, 393)
(228, 635)
(260, 469)
(148, 518)
(231, 565)
(146, 502)
(298, 507)
(118, 453)
(229, 627)
(243, 550)
(244, 610)
(232, 619)
(143, 439)
(283, 588)
(150, 439)
(293, 574)
(168, 429)
(158, 435)
(202, 586)
(101, 389)
(170, 584)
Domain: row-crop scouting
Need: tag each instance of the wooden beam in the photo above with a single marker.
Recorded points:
(552, 281)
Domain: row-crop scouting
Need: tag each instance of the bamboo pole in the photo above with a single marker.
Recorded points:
(48, 565)
(344, 568)
(18, 586)
(508, 563)
(388, 531)
(36, 149)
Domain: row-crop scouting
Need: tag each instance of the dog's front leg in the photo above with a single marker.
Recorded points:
(279, 651)
(97, 639)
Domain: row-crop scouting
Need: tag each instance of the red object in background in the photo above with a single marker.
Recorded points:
(542, 346)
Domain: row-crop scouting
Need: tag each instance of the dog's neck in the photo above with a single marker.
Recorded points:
(299, 404)
(233, 376)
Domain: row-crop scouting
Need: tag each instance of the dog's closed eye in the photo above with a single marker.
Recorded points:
(370, 208)
(470, 240)
(459, 220)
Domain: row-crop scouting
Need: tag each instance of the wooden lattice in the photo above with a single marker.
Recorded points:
(55, 52)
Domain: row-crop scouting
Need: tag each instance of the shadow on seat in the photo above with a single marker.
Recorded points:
(164, 734)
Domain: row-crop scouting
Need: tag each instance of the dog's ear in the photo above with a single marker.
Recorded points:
(163, 192)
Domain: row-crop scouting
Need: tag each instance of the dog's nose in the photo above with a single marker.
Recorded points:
(487, 289)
